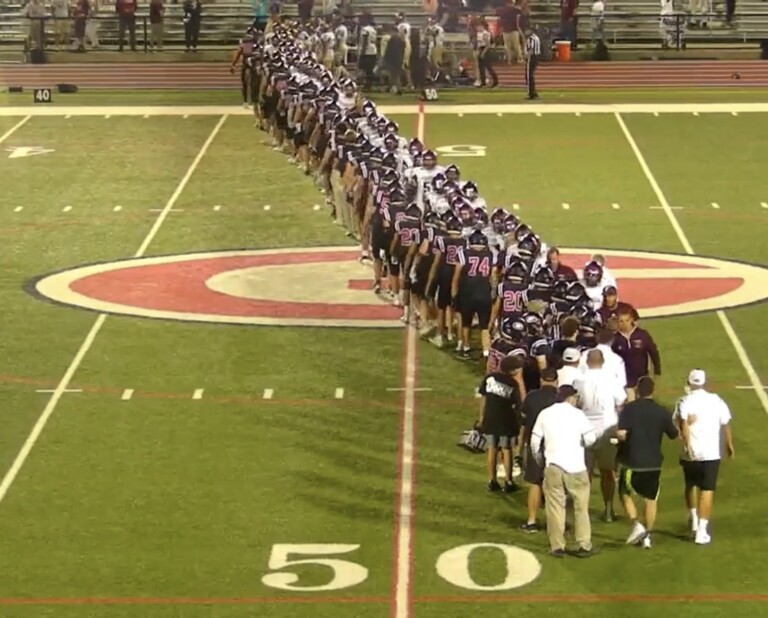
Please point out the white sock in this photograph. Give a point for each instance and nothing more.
(703, 525)
(694, 518)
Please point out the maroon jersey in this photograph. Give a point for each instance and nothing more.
(392, 213)
(450, 247)
(514, 297)
(408, 231)
(478, 262)
(500, 349)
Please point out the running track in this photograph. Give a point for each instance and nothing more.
(550, 75)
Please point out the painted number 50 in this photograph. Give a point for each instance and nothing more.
(345, 574)
(453, 566)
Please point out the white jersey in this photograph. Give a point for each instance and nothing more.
(436, 36)
(478, 202)
(404, 28)
(437, 202)
(328, 40)
(423, 178)
(595, 294)
(368, 48)
(347, 103)
(342, 35)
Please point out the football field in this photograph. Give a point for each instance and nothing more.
(207, 413)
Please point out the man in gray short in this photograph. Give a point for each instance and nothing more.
(500, 418)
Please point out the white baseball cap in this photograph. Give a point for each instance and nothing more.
(571, 355)
(697, 377)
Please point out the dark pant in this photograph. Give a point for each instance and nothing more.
(484, 64)
(530, 75)
(367, 65)
(127, 23)
(730, 9)
(191, 32)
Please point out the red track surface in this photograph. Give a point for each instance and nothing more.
(550, 75)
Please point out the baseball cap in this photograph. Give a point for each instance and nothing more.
(609, 290)
(571, 355)
(697, 377)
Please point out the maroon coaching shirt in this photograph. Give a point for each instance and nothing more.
(636, 349)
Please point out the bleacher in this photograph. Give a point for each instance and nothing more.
(627, 24)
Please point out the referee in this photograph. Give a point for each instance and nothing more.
(532, 55)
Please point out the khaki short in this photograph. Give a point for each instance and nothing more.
(602, 454)
(436, 56)
(61, 27)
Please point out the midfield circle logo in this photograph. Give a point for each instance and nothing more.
(326, 286)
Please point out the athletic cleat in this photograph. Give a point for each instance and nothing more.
(529, 528)
(437, 340)
(494, 486)
(637, 534)
(647, 541)
(510, 487)
(702, 538)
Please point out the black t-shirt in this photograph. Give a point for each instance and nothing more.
(535, 402)
(502, 405)
(646, 422)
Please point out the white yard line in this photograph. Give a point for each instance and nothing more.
(339, 394)
(406, 465)
(127, 394)
(754, 379)
(198, 394)
(15, 127)
(63, 385)
(268, 392)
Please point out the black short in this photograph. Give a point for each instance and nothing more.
(533, 473)
(281, 120)
(419, 286)
(644, 483)
(445, 281)
(475, 303)
(299, 139)
(381, 239)
(701, 474)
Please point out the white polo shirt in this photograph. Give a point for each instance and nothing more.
(613, 364)
(565, 432)
(567, 374)
(711, 414)
(599, 398)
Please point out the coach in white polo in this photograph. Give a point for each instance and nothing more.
(704, 418)
(558, 438)
(601, 398)
(613, 364)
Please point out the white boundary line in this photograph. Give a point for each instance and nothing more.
(754, 379)
(407, 463)
(63, 384)
(538, 110)
(15, 127)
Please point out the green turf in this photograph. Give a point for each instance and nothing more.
(163, 496)
(461, 96)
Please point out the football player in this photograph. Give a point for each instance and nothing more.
(473, 281)
(406, 240)
(593, 284)
(512, 293)
(441, 276)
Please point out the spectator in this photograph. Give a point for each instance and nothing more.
(568, 20)
(60, 14)
(35, 12)
(509, 22)
(347, 11)
(156, 16)
(82, 11)
(92, 25)
(393, 57)
(483, 54)
(260, 8)
(730, 9)
(126, 11)
(192, 15)
(306, 8)
(598, 21)
(367, 48)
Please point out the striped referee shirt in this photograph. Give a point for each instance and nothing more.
(533, 45)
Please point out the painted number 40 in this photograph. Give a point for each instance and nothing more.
(522, 567)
